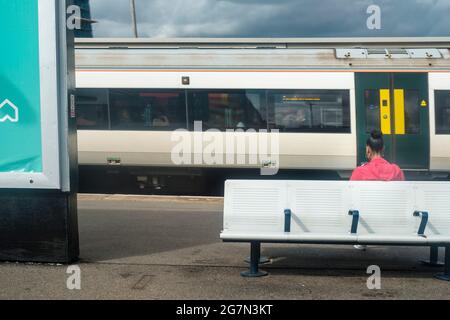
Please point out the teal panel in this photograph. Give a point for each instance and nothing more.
(20, 130)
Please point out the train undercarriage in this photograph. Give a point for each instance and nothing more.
(201, 181)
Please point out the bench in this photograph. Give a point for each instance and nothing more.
(337, 212)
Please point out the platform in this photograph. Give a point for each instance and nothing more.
(138, 247)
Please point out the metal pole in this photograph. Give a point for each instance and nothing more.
(434, 258)
(434, 255)
(447, 261)
(133, 18)
(255, 256)
(446, 275)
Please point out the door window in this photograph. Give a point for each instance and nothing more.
(406, 111)
(372, 105)
(412, 112)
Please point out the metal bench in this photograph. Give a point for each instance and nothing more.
(337, 212)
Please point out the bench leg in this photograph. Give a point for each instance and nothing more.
(434, 258)
(446, 275)
(255, 256)
(262, 260)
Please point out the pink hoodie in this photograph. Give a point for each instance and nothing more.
(378, 170)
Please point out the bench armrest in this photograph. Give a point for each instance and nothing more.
(287, 220)
(423, 224)
(355, 221)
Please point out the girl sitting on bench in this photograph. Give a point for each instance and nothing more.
(377, 169)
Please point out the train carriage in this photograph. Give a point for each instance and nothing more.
(323, 102)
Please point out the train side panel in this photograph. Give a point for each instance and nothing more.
(440, 143)
(329, 151)
(156, 149)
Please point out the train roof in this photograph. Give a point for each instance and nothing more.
(304, 54)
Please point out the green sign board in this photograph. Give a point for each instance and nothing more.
(20, 112)
(33, 93)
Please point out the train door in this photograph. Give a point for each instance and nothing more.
(396, 104)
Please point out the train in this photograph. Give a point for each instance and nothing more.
(156, 117)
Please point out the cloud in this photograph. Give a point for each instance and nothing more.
(270, 18)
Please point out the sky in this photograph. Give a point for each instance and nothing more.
(270, 18)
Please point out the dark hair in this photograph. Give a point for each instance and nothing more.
(376, 141)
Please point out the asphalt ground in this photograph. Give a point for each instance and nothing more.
(140, 247)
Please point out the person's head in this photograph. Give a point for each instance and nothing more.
(125, 114)
(374, 145)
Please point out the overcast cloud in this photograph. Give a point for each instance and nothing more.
(270, 18)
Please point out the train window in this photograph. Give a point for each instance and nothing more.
(153, 110)
(442, 112)
(92, 109)
(412, 112)
(310, 110)
(372, 105)
(228, 109)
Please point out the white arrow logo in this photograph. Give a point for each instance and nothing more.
(7, 107)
